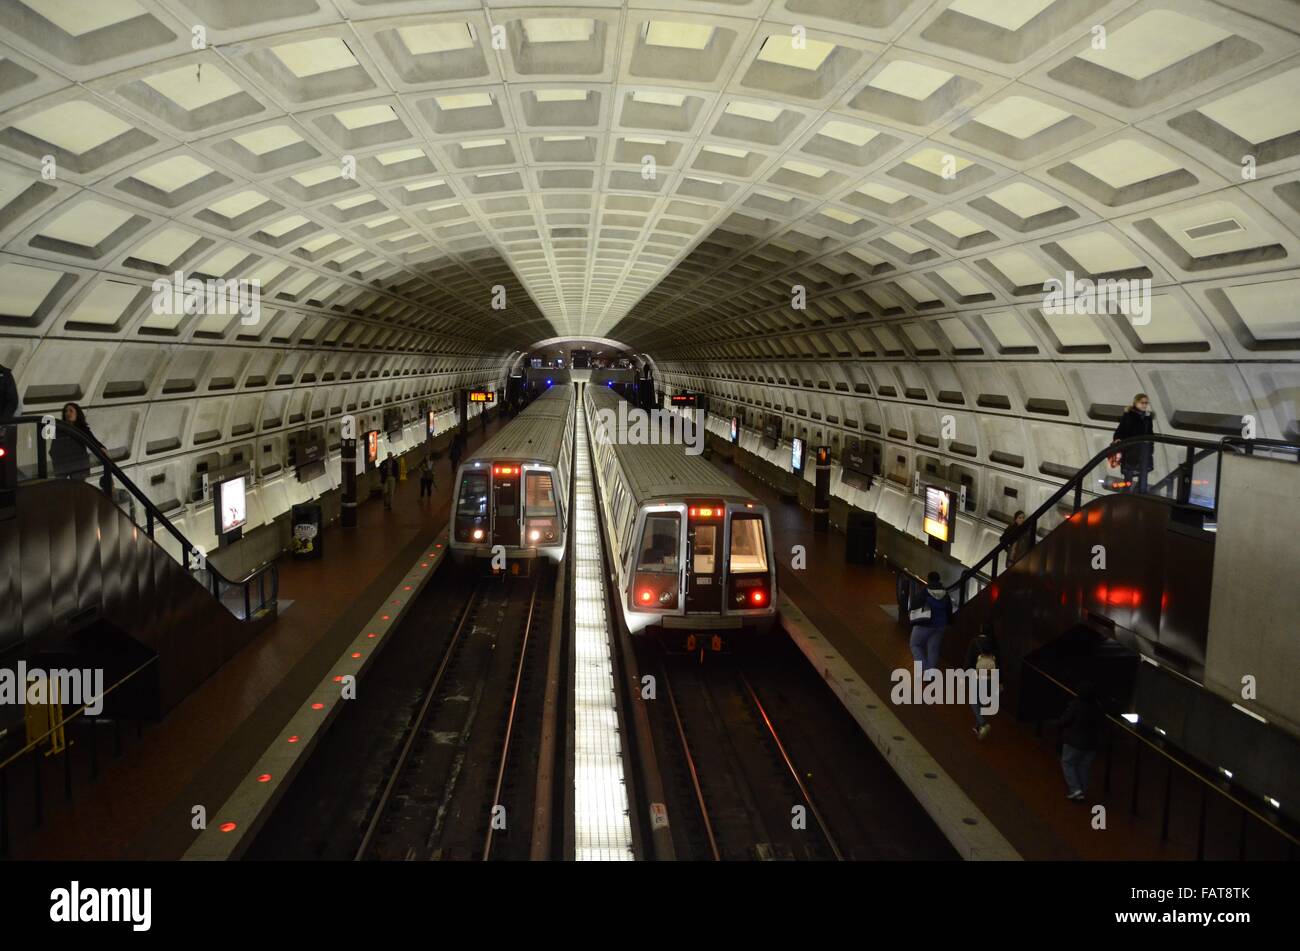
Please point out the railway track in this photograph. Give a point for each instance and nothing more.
(436, 758)
(759, 760)
(450, 793)
(750, 799)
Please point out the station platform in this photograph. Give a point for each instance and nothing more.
(140, 807)
(1014, 775)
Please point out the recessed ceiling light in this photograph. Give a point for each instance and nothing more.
(558, 30)
(232, 206)
(659, 98)
(781, 51)
(482, 143)
(192, 88)
(754, 110)
(855, 135)
(1210, 229)
(561, 95)
(76, 126)
(805, 168)
(686, 36)
(173, 173)
(464, 100)
(365, 117)
(314, 57)
(913, 80)
(841, 216)
(726, 150)
(436, 38)
(937, 162)
(399, 155)
(262, 141)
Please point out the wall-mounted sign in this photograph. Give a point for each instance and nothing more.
(482, 396)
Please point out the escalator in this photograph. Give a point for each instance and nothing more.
(85, 582)
(1119, 593)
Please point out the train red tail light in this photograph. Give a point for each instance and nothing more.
(758, 597)
(647, 596)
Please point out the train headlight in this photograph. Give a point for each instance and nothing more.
(478, 534)
(666, 597)
(534, 535)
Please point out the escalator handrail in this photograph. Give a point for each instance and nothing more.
(149, 506)
(1228, 443)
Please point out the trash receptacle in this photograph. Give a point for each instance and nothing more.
(306, 519)
(860, 547)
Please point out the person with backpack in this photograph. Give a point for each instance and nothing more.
(931, 610)
(1136, 421)
(1080, 737)
(982, 657)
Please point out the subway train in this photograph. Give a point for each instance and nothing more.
(513, 490)
(694, 552)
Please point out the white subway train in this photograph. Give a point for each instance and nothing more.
(693, 549)
(510, 496)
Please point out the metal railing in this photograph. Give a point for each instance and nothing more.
(1211, 787)
(30, 439)
(1180, 484)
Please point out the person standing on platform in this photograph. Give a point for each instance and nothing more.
(388, 477)
(931, 611)
(454, 452)
(982, 657)
(1080, 736)
(426, 478)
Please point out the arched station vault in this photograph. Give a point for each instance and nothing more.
(660, 173)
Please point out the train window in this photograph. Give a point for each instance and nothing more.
(539, 494)
(748, 553)
(659, 542)
(704, 549)
(473, 495)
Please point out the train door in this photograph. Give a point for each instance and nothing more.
(704, 523)
(505, 505)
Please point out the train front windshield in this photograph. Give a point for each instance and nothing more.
(659, 544)
(473, 496)
(748, 551)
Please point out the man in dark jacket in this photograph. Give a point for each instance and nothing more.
(1019, 536)
(927, 634)
(1136, 421)
(1080, 737)
(9, 402)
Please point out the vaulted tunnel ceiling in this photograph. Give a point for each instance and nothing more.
(662, 173)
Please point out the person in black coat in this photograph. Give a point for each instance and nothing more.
(9, 402)
(69, 454)
(1019, 536)
(1136, 421)
(1080, 737)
